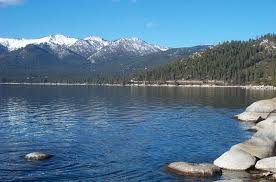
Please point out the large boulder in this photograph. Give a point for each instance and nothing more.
(37, 156)
(235, 159)
(267, 128)
(258, 111)
(260, 147)
(267, 132)
(191, 169)
(267, 164)
(269, 123)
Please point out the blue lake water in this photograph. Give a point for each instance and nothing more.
(99, 133)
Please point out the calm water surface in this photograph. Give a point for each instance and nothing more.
(116, 133)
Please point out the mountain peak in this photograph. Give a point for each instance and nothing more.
(85, 46)
(59, 39)
(96, 38)
(14, 44)
(131, 39)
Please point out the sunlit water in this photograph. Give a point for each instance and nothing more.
(116, 133)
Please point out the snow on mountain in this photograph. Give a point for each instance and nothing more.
(60, 51)
(135, 45)
(93, 48)
(127, 47)
(97, 40)
(61, 40)
(88, 46)
(14, 44)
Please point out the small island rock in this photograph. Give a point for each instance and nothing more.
(191, 169)
(235, 159)
(37, 156)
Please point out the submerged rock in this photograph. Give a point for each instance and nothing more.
(235, 159)
(191, 169)
(267, 164)
(260, 147)
(258, 111)
(37, 156)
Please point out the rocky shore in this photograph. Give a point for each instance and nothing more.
(257, 154)
(247, 87)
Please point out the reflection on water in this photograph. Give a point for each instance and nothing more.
(116, 133)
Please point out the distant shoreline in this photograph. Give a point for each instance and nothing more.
(248, 87)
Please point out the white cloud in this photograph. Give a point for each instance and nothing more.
(10, 2)
(151, 24)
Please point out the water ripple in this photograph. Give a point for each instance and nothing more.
(115, 133)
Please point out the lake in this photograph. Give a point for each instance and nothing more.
(100, 133)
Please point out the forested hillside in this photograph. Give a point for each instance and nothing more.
(235, 62)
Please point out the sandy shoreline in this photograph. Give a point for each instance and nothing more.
(249, 87)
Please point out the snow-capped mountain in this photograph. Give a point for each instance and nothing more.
(128, 47)
(88, 46)
(14, 44)
(58, 57)
(92, 48)
(97, 41)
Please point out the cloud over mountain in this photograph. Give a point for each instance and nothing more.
(10, 2)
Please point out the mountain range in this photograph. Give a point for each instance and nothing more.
(62, 55)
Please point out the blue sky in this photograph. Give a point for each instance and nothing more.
(174, 23)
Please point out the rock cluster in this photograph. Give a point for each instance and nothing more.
(258, 152)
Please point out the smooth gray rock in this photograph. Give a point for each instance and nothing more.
(235, 159)
(37, 156)
(260, 147)
(258, 110)
(270, 122)
(266, 133)
(251, 116)
(191, 169)
(267, 164)
(267, 128)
